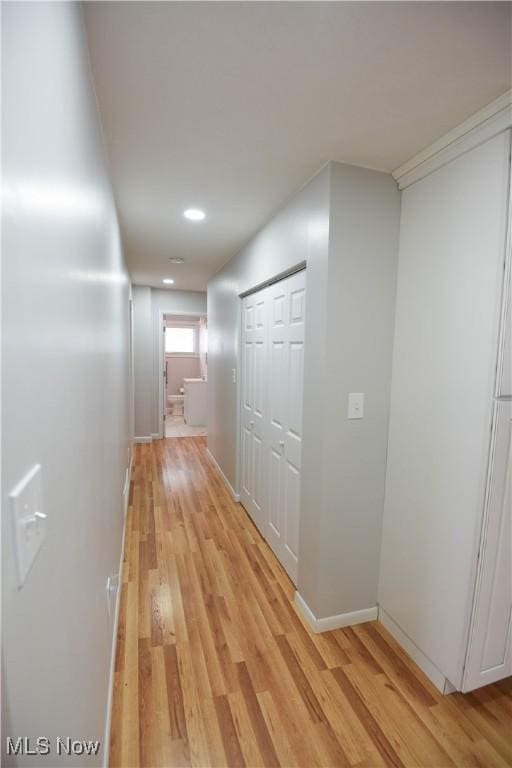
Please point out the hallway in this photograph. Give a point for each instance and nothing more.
(215, 667)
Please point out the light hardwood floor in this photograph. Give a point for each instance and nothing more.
(216, 668)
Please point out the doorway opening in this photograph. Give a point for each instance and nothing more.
(185, 375)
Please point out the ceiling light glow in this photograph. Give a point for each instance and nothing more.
(194, 214)
(168, 281)
(176, 260)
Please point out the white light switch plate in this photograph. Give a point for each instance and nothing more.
(355, 405)
(28, 519)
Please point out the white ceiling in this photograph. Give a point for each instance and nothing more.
(231, 106)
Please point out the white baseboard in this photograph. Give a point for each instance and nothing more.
(148, 438)
(448, 687)
(126, 489)
(236, 496)
(423, 662)
(108, 719)
(333, 622)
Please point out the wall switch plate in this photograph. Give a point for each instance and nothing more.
(234, 375)
(28, 519)
(355, 405)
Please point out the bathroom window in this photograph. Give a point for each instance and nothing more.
(181, 340)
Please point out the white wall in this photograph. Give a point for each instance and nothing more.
(452, 242)
(363, 255)
(148, 304)
(344, 224)
(65, 396)
(298, 233)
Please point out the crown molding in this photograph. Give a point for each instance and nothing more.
(484, 124)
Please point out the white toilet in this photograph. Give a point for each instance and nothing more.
(175, 403)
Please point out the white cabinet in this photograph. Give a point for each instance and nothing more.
(489, 655)
(195, 405)
(271, 413)
(438, 488)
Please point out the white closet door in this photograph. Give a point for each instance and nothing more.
(285, 376)
(253, 396)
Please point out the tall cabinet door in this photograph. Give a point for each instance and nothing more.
(450, 273)
(254, 409)
(490, 644)
(489, 656)
(287, 304)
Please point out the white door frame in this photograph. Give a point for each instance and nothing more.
(161, 357)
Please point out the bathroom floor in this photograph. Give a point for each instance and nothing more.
(175, 427)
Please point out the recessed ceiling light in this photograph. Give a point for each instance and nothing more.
(168, 281)
(194, 214)
(176, 260)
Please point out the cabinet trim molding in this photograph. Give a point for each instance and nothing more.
(483, 125)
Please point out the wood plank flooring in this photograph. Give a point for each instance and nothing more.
(215, 667)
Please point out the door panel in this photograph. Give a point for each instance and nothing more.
(292, 511)
(271, 395)
(285, 429)
(246, 462)
(274, 500)
(297, 306)
(248, 376)
(253, 398)
(257, 473)
(295, 388)
(249, 312)
(277, 382)
(278, 302)
(277, 422)
(490, 651)
(259, 378)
